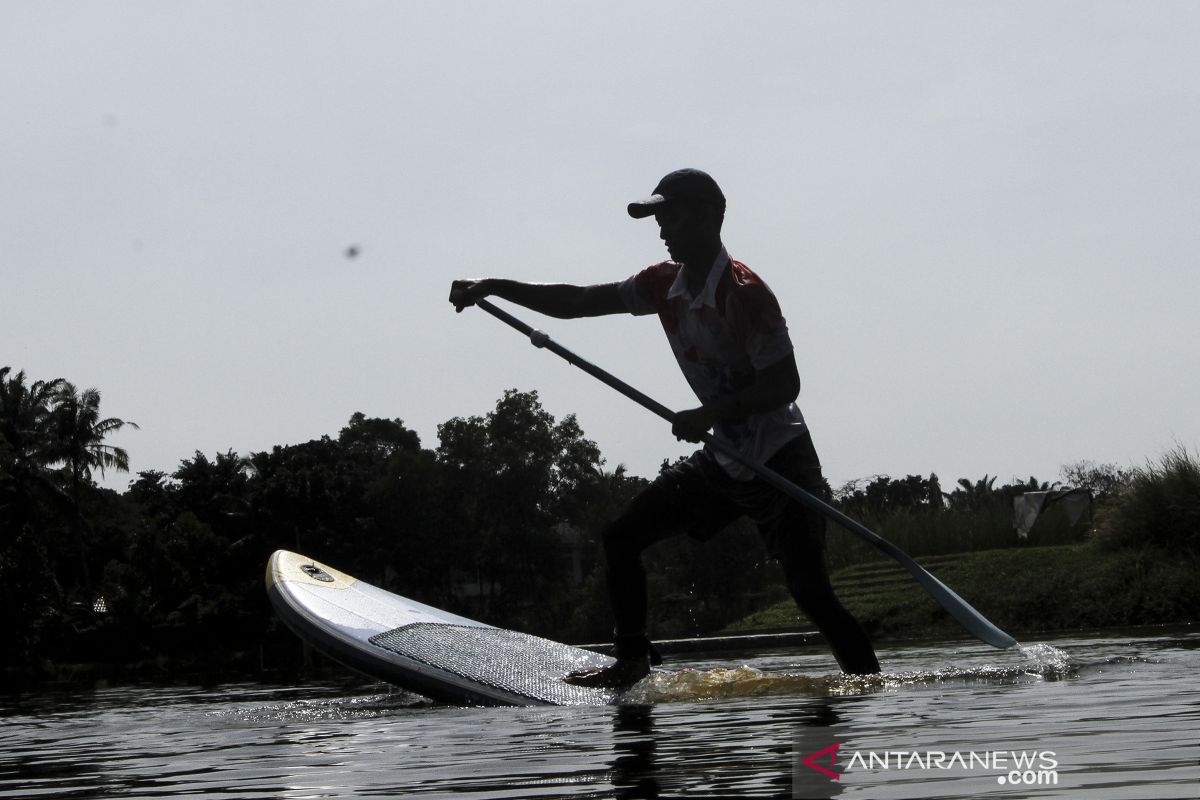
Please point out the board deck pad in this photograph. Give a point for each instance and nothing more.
(526, 665)
(424, 649)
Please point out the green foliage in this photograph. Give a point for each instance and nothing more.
(520, 481)
(1102, 480)
(924, 531)
(884, 493)
(28, 593)
(27, 430)
(51, 437)
(501, 521)
(1160, 507)
(916, 516)
(78, 433)
(1133, 572)
(1062, 587)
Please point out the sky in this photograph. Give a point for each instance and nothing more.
(979, 218)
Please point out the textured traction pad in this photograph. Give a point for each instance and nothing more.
(525, 665)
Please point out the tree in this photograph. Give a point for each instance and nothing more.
(27, 581)
(883, 494)
(361, 500)
(972, 495)
(28, 434)
(214, 490)
(1103, 480)
(43, 425)
(380, 438)
(78, 435)
(515, 475)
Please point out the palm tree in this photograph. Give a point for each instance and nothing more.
(25, 415)
(80, 434)
(972, 495)
(26, 426)
(78, 444)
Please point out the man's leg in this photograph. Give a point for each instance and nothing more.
(808, 581)
(796, 535)
(678, 501)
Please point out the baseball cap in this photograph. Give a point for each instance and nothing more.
(682, 184)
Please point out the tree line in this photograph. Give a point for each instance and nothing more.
(500, 521)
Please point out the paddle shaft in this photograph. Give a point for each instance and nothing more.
(968, 617)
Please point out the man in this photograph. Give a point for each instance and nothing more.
(729, 337)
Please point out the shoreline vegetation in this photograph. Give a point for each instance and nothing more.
(1038, 590)
(500, 522)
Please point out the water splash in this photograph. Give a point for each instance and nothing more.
(1048, 661)
(722, 683)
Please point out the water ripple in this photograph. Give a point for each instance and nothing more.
(1120, 714)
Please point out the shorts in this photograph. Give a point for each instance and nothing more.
(697, 497)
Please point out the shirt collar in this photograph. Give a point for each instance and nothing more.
(708, 295)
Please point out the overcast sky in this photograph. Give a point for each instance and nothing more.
(980, 218)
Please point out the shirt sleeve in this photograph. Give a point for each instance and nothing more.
(646, 292)
(758, 321)
(635, 303)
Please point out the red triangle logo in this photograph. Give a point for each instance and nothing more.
(831, 751)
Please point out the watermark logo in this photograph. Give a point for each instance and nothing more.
(1009, 767)
(813, 761)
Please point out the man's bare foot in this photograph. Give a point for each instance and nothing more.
(622, 674)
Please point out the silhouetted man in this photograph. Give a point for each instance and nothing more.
(730, 339)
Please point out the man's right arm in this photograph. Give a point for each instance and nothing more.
(560, 300)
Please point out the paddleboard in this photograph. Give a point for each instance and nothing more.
(443, 656)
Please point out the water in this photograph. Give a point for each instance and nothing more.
(1101, 717)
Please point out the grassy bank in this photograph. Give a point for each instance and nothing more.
(1024, 590)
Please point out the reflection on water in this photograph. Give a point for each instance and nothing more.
(1117, 716)
(634, 768)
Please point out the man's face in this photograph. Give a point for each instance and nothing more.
(687, 230)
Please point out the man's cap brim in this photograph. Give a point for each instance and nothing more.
(646, 206)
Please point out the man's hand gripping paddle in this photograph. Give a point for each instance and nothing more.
(977, 624)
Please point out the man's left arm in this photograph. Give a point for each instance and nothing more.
(774, 386)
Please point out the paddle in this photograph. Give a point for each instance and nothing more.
(977, 624)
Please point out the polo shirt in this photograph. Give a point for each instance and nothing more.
(720, 337)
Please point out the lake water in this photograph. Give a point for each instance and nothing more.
(1104, 717)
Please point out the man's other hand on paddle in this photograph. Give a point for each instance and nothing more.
(691, 425)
